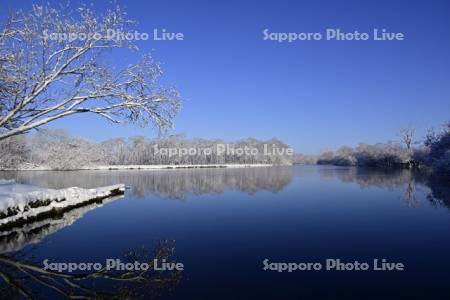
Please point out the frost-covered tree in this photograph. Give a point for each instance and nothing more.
(387, 155)
(406, 136)
(438, 144)
(56, 149)
(53, 65)
(13, 152)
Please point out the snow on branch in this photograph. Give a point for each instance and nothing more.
(43, 78)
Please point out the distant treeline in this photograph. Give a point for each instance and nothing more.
(56, 149)
(432, 153)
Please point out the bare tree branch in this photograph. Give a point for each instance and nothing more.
(45, 77)
(20, 276)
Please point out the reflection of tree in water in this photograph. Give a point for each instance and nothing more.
(365, 177)
(439, 194)
(167, 183)
(20, 278)
(436, 188)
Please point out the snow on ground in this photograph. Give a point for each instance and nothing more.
(15, 239)
(145, 167)
(20, 201)
(159, 167)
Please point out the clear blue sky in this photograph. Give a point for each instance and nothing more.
(312, 94)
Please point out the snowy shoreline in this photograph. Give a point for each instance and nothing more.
(17, 237)
(141, 167)
(20, 204)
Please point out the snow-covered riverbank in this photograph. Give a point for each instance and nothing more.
(143, 167)
(21, 203)
(16, 238)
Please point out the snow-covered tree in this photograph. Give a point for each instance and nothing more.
(58, 150)
(52, 66)
(13, 152)
(406, 136)
(438, 144)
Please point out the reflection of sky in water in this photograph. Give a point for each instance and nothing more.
(230, 220)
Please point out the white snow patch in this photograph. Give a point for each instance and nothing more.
(20, 201)
(15, 239)
(146, 167)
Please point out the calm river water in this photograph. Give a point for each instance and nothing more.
(224, 223)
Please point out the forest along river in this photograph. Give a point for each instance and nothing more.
(224, 223)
